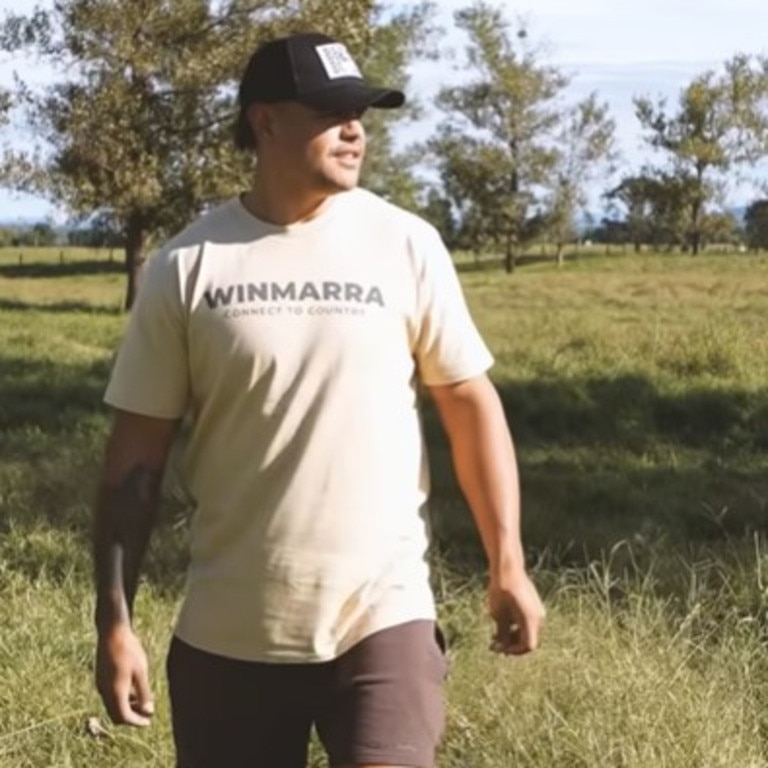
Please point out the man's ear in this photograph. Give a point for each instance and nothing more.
(262, 121)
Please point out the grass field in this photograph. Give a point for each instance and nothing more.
(637, 393)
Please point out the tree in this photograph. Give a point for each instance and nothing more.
(100, 231)
(43, 234)
(6, 237)
(491, 149)
(395, 42)
(5, 106)
(636, 195)
(657, 205)
(141, 128)
(756, 225)
(720, 228)
(437, 210)
(40, 234)
(718, 125)
(673, 196)
(500, 150)
(586, 145)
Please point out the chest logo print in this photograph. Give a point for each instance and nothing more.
(352, 296)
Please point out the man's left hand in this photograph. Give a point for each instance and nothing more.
(518, 612)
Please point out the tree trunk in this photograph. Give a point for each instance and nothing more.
(695, 242)
(696, 211)
(559, 255)
(510, 260)
(695, 234)
(135, 256)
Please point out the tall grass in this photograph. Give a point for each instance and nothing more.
(635, 388)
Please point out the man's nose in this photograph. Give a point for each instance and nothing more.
(351, 125)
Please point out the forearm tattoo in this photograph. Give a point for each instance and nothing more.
(125, 516)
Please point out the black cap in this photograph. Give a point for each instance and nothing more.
(314, 70)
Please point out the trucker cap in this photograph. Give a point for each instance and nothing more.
(314, 70)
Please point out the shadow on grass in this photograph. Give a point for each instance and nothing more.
(49, 270)
(49, 397)
(630, 412)
(605, 461)
(53, 426)
(602, 461)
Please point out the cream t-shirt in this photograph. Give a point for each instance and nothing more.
(298, 351)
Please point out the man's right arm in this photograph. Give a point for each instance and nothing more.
(126, 508)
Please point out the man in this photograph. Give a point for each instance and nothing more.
(296, 324)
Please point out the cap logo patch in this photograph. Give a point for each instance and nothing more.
(337, 61)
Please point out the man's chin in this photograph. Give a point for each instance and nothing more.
(341, 182)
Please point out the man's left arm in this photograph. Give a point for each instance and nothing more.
(486, 467)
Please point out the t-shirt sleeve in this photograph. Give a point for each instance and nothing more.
(448, 346)
(151, 372)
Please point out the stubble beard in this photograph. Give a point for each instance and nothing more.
(338, 181)
(344, 177)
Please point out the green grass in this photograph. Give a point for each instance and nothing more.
(636, 389)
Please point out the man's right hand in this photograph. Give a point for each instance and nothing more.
(122, 677)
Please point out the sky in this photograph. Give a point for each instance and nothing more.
(617, 48)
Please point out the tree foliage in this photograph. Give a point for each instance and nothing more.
(656, 208)
(395, 42)
(140, 125)
(586, 145)
(436, 208)
(719, 125)
(513, 159)
(636, 194)
(5, 106)
(756, 225)
(5, 109)
(40, 234)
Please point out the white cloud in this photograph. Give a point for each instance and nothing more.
(619, 32)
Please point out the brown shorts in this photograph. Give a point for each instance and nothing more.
(380, 703)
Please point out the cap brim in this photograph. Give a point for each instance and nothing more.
(353, 97)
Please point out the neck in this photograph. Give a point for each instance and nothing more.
(269, 202)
